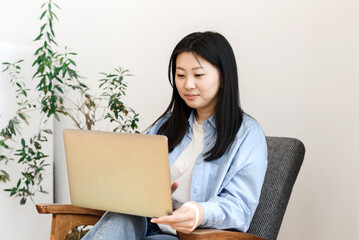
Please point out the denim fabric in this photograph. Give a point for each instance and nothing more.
(118, 226)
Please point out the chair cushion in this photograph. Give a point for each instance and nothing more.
(285, 157)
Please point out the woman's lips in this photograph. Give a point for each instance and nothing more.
(191, 97)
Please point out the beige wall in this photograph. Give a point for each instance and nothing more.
(299, 77)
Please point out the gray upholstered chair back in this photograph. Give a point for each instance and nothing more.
(285, 157)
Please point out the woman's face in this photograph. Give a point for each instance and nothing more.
(197, 82)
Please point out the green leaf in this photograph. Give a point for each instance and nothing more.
(59, 79)
(43, 191)
(42, 27)
(72, 73)
(56, 5)
(37, 145)
(39, 37)
(55, 16)
(11, 124)
(7, 68)
(53, 41)
(23, 201)
(72, 62)
(5, 146)
(22, 116)
(5, 176)
(18, 183)
(23, 142)
(58, 88)
(25, 94)
(48, 131)
(49, 36)
(53, 34)
(43, 14)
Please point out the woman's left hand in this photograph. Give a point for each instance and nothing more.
(183, 219)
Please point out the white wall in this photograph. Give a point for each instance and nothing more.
(16, 221)
(299, 77)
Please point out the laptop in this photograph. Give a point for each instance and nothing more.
(119, 172)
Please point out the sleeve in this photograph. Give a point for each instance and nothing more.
(234, 206)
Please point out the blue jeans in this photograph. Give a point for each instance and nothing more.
(118, 226)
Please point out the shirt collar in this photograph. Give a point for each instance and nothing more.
(206, 124)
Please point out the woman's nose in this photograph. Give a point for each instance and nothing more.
(190, 83)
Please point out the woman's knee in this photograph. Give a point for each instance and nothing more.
(118, 226)
(125, 219)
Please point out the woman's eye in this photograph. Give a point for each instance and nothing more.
(180, 75)
(198, 75)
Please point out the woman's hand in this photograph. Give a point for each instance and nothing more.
(174, 187)
(183, 219)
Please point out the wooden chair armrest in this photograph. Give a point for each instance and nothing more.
(55, 208)
(71, 221)
(212, 234)
(66, 216)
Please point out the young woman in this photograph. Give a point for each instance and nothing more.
(218, 154)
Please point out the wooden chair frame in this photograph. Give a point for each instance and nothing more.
(65, 217)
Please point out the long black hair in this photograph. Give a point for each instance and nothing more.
(214, 48)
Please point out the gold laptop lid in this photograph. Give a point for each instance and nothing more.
(119, 172)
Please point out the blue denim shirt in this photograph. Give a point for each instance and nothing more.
(227, 188)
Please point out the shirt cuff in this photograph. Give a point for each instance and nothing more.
(213, 215)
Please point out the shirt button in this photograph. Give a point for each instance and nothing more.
(195, 190)
(207, 125)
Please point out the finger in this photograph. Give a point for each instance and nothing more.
(182, 229)
(160, 219)
(153, 220)
(185, 223)
(170, 219)
(176, 218)
(174, 187)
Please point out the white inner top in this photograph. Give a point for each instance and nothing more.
(181, 170)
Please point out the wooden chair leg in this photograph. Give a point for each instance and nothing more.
(63, 223)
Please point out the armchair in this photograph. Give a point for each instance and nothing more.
(285, 157)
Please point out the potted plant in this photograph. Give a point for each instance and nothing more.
(60, 91)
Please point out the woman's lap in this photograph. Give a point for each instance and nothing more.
(121, 226)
